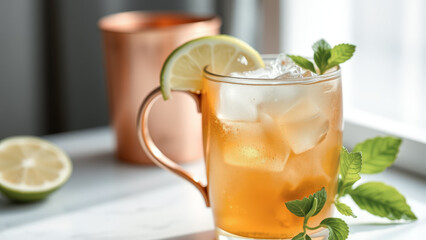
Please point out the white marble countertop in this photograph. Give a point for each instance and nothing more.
(106, 199)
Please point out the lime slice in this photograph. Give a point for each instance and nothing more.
(31, 168)
(183, 69)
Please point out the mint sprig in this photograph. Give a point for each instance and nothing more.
(311, 206)
(371, 156)
(375, 155)
(325, 57)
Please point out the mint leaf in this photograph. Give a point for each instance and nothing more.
(340, 54)
(301, 236)
(378, 153)
(325, 57)
(350, 166)
(340, 184)
(344, 209)
(321, 195)
(321, 54)
(321, 45)
(313, 208)
(301, 208)
(303, 62)
(382, 200)
(338, 229)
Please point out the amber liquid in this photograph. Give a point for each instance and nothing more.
(254, 167)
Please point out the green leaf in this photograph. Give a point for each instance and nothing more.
(340, 187)
(344, 209)
(350, 166)
(313, 208)
(340, 54)
(320, 44)
(378, 153)
(321, 54)
(303, 62)
(321, 195)
(301, 208)
(382, 200)
(338, 229)
(301, 236)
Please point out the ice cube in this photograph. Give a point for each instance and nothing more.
(238, 102)
(302, 109)
(281, 67)
(242, 102)
(304, 125)
(327, 95)
(304, 136)
(254, 145)
(268, 124)
(278, 100)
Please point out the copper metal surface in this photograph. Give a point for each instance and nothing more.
(135, 45)
(150, 147)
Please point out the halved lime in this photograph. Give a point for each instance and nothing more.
(183, 68)
(31, 168)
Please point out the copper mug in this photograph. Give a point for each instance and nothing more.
(135, 45)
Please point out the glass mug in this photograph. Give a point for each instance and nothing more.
(266, 142)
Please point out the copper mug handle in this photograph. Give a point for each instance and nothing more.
(152, 150)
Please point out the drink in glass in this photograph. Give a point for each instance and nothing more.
(269, 141)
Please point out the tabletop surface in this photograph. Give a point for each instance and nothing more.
(108, 199)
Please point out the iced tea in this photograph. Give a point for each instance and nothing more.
(266, 142)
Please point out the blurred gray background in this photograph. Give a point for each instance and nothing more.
(51, 63)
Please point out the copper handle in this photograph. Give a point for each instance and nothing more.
(152, 150)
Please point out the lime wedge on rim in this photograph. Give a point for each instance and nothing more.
(31, 168)
(183, 69)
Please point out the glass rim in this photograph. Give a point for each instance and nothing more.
(271, 81)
